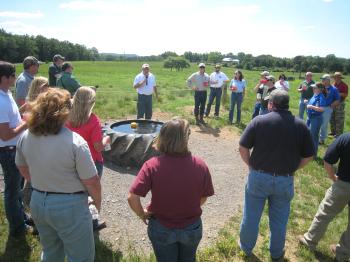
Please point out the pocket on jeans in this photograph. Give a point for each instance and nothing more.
(159, 234)
(289, 191)
(193, 233)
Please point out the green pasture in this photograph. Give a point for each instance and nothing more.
(116, 99)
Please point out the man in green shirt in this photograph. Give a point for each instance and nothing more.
(67, 80)
(306, 91)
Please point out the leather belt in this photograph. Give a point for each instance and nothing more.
(274, 174)
(58, 193)
(7, 148)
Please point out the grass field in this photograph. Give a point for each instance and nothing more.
(116, 99)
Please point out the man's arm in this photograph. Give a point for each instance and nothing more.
(304, 161)
(155, 91)
(330, 171)
(7, 133)
(245, 154)
(138, 84)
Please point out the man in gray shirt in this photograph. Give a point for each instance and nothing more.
(31, 67)
(199, 82)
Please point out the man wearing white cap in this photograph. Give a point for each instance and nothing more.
(332, 100)
(199, 82)
(259, 90)
(145, 84)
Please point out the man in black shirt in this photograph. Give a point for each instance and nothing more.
(335, 200)
(281, 144)
(55, 70)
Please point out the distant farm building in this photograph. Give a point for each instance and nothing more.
(228, 61)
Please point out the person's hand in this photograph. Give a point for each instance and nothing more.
(146, 216)
(335, 178)
(306, 101)
(309, 106)
(194, 88)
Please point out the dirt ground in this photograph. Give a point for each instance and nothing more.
(219, 149)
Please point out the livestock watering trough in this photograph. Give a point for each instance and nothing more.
(131, 142)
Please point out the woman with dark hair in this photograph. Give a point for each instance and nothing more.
(282, 83)
(59, 165)
(180, 184)
(237, 86)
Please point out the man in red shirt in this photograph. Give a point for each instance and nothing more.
(338, 115)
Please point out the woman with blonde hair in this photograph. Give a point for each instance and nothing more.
(180, 184)
(82, 121)
(61, 170)
(39, 85)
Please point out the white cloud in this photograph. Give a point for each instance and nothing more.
(309, 27)
(20, 15)
(327, 1)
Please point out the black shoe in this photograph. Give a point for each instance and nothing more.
(98, 225)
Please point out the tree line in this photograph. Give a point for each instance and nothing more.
(14, 48)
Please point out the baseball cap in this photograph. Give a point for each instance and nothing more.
(308, 74)
(66, 65)
(201, 65)
(217, 66)
(338, 74)
(29, 61)
(145, 66)
(265, 73)
(58, 57)
(326, 77)
(318, 85)
(270, 77)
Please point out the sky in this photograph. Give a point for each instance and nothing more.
(283, 28)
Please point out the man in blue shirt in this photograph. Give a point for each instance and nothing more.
(31, 67)
(332, 100)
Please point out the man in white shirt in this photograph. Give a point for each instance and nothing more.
(145, 84)
(217, 81)
(11, 126)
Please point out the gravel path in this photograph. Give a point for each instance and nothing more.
(219, 149)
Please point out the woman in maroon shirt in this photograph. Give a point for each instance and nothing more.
(180, 183)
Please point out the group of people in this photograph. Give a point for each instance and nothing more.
(51, 138)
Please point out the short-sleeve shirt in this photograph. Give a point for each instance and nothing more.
(282, 85)
(22, 85)
(240, 85)
(332, 95)
(9, 114)
(279, 141)
(92, 133)
(148, 88)
(317, 100)
(219, 77)
(56, 163)
(308, 93)
(340, 150)
(67, 81)
(53, 71)
(342, 88)
(198, 80)
(177, 185)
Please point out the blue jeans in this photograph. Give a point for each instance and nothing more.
(236, 98)
(256, 109)
(144, 106)
(314, 123)
(12, 197)
(175, 245)
(215, 93)
(99, 168)
(302, 108)
(278, 191)
(200, 97)
(326, 116)
(64, 225)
